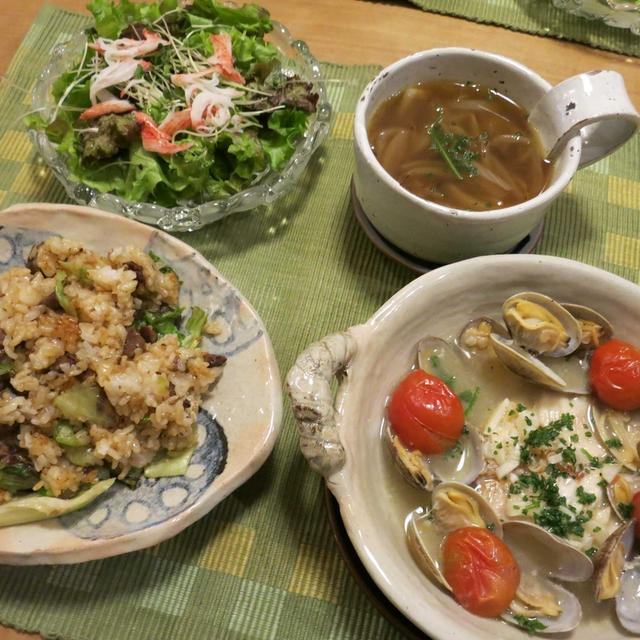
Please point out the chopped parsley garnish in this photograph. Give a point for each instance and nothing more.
(561, 523)
(439, 372)
(469, 398)
(455, 451)
(568, 455)
(544, 436)
(554, 513)
(584, 497)
(613, 443)
(491, 526)
(626, 509)
(520, 408)
(591, 551)
(525, 455)
(530, 625)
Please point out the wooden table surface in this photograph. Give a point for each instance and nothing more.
(366, 32)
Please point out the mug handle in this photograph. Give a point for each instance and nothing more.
(312, 401)
(594, 104)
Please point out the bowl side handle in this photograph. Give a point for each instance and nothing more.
(313, 403)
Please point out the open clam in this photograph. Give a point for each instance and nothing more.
(464, 461)
(610, 560)
(454, 505)
(618, 433)
(543, 331)
(594, 327)
(620, 492)
(475, 336)
(524, 364)
(541, 556)
(541, 325)
(617, 575)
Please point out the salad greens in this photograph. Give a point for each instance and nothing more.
(146, 72)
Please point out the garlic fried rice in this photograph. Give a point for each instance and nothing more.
(97, 376)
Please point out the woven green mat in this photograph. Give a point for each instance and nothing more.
(540, 17)
(263, 564)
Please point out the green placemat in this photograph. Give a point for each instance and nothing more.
(263, 564)
(540, 17)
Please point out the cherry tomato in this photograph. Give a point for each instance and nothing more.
(635, 514)
(615, 374)
(481, 571)
(425, 413)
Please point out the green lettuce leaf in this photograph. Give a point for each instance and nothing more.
(111, 18)
(285, 125)
(250, 18)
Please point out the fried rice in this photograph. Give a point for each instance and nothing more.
(91, 385)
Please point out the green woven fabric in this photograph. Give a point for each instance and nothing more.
(540, 17)
(263, 564)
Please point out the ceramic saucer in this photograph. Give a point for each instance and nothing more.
(526, 245)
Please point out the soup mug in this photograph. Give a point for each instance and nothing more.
(579, 121)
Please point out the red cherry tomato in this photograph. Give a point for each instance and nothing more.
(425, 413)
(481, 571)
(635, 514)
(615, 374)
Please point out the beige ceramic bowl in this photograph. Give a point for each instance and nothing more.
(237, 426)
(341, 435)
(436, 233)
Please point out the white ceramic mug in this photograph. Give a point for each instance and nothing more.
(580, 121)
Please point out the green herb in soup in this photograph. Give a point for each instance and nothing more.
(459, 144)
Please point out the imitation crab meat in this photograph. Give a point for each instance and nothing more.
(104, 108)
(153, 139)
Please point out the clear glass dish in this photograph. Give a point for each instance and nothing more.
(266, 188)
(614, 13)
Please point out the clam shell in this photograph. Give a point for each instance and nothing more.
(610, 424)
(412, 465)
(425, 544)
(610, 559)
(569, 610)
(456, 505)
(594, 327)
(628, 598)
(522, 363)
(475, 335)
(463, 463)
(621, 490)
(535, 549)
(541, 325)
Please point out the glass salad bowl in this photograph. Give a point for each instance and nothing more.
(614, 13)
(295, 58)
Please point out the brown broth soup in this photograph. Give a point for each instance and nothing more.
(462, 145)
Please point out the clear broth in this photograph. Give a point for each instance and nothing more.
(497, 155)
